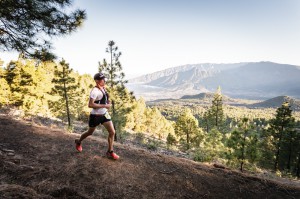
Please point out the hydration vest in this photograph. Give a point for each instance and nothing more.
(104, 99)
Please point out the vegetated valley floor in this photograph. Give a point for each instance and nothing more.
(41, 162)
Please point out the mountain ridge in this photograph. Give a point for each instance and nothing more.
(275, 102)
(169, 71)
(249, 80)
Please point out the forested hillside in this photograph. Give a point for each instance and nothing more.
(237, 132)
(206, 129)
(37, 89)
(30, 85)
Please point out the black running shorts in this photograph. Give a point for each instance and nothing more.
(95, 120)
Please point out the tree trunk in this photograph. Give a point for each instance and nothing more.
(113, 113)
(188, 140)
(207, 126)
(68, 112)
(111, 66)
(278, 151)
(188, 131)
(66, 98)
(290, 156)
(243, 152)
(217, 112)
(298, 166)
(242, 163)
(111, 86)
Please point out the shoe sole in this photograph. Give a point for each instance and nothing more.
(111, 158)
(76, 147)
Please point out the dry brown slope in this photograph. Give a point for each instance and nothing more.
(42, 163)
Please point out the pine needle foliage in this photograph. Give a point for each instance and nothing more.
(27, 26)
(64, 87)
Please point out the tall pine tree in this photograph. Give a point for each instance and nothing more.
(186, 127)
(5, 89)
(243, 144)
(280, 127)
(214, 117)
(21, 76)
(120, 98)
(213, 143)
(64, 87)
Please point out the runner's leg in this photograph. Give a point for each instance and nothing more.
(111, 134)
(89, 132)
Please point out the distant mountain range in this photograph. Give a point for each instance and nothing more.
(277, 102)
(270, 103)
(201, 96)
(249, 80)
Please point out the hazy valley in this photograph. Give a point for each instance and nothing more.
(255, 80)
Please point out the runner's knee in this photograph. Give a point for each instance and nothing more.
(112, 133)
(90, 131)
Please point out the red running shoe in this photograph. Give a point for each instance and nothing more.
(78, 145)
(112, 155)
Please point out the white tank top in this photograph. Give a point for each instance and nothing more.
(96, 94)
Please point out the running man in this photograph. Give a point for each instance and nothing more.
(99, 102)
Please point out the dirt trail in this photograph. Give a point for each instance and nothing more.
(40, 162)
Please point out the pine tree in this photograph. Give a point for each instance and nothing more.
(115, 80)
(13, 78)
(31, 86)
(280, 127)
(213, 142)
(136, 119)
(113, 69)
(288, 147)
(253, 148)
(86, 83)
(186, 126)
(171, 139)
(28, 26)
(156, 124)
(43, 80)
(244, 143)
(21, 76)
(64, 86)
(5, 90)
(214, 117)
(296, 149)
(298, 159)
(207, 120)
(145, 119)
(123, 102)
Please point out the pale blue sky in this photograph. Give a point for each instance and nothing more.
(158, 34)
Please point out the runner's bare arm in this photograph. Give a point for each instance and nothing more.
(92, 104)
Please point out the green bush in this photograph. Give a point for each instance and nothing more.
(140, 137)
(171, 140)
(201, 156)
(152, 145)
